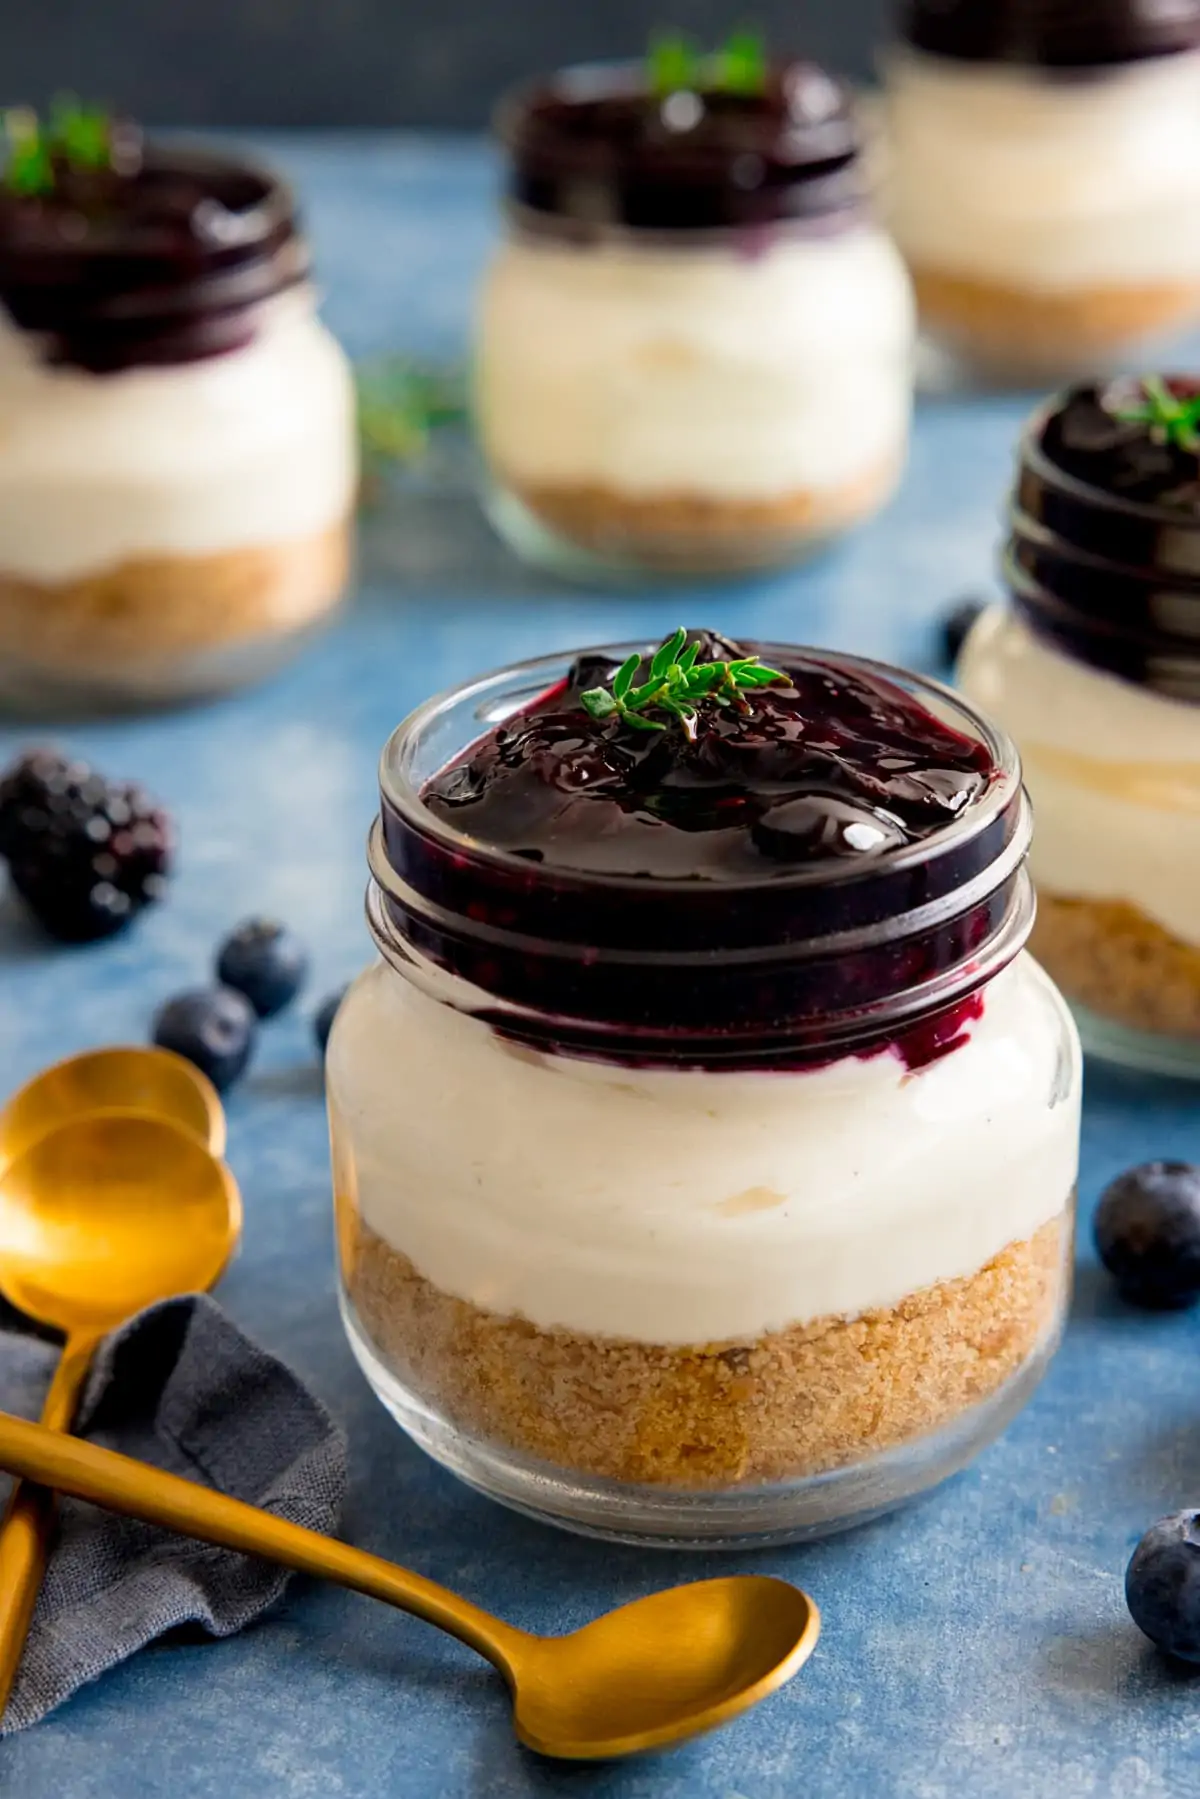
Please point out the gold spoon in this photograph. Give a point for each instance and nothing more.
(646, 1675)
(98, 1218)
(129, 1078)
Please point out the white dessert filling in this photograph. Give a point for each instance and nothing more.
(720, 372)
(1046, 182)
(233, 452)
(1113, 771)
(690, 1207)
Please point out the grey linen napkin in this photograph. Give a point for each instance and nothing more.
(180, 1386)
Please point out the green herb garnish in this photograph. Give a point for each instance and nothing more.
(675, 65)
(28, 168)
(74, 136)
(743, 63)
(400, 403)
(1167, 418)
(678, 684)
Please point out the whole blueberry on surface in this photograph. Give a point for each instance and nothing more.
(1148, 1233)
(214, 1027)
(956, 626)
(324, 1016)
(266, 962)
(1162, 1585)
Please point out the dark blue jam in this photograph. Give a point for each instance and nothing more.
(1053, 34)
(824, 767)
(168, 260)
(729, 900)
(1103, 554)
(595, 147)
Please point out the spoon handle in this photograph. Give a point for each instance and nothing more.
(120, 1484)
(28, 1523)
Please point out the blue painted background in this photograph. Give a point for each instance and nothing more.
(367, 62)
(977, 1644)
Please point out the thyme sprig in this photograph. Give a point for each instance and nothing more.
(1168, 418)
(678, 685)
(676, 65)
(401, 402)
(81, 137)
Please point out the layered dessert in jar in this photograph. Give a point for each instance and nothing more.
(1095, 670)
(693, 344)
(177, 464)
(1044, 176)
(704, 1143)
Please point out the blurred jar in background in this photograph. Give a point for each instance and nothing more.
(1094, 669)
(694, 344)
(177, 466)
(1044, 176)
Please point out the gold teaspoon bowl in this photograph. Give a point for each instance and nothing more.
(642, 1677)
(128, 1078)
(99, 1218)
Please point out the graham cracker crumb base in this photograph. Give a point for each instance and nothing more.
(689, 530)
(793, 1403)
(1018, 328)
(156, 610)
(1119, 964)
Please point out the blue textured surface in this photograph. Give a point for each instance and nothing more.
(977, 1644)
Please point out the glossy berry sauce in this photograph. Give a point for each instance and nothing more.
(1103, 556)
(168, 260)
(758, 897)
(596, 146)
(823, 767)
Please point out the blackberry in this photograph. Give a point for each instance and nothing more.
(85, 854)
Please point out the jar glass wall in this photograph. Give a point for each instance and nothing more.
(177, 480)
(1094, 668)
(692, 355)
(711, 1278)
(1044, 192)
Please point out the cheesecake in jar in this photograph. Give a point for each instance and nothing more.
(1094, 668)
(1043, 178)
(704, 1143)
(177, 440)
(694, 344)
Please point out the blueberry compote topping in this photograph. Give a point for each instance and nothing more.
(826, 867)
(1052, 33)
(1104, 552)
(167, 259)
(597, 146)
(1101, 436)
(825, 766)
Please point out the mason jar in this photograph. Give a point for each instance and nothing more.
(722, 1206)
(693, 344)
(1044, 178)
(177, 467)
(1094, 667)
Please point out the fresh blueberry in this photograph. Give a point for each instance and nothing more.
(214, 1027)
(325, 1014)
(1162, 1585)
(1148, 1233)
(956, 626)
(266, 962)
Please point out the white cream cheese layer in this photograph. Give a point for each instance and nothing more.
(1046, 182)
(1113, 771)
(690, 1207)
(233, 452)
(680, 370)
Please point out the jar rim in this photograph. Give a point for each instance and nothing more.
(763, 158)
(778, 966)
(405, 796)
(1031, 453)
